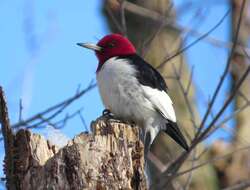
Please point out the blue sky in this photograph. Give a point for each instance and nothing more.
(41, 64)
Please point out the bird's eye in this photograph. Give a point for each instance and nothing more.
(111, 45)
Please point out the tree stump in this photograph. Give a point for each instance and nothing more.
(111, 157)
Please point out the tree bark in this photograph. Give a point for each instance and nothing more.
(8, 143)
(111, 157)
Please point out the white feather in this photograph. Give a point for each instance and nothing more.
(121, 92)
(161, 101)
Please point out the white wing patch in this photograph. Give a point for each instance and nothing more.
(161, 101)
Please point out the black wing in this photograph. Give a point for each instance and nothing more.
(147, 75)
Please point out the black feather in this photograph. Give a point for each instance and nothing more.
(146, 74)
(174, 132)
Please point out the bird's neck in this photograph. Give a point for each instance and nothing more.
(102, 63)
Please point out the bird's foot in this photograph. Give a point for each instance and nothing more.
(107, 113)
(110, 116)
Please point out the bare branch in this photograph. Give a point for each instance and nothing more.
(20, 110)
(231, 116)
(62, 122)
(188, 103)
(123, 18)
(190, 81)
(158, 18)
(59, 107)
(239, 186)
(224, 73)
(189, 180)
(115, 21)
(83, 121)
(196, 41)
(228, 101)
(211, 161)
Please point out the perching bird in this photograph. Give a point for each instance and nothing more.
(133, 90)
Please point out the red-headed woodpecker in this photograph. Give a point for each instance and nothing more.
(133, 90)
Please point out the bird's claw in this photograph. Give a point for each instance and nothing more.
(110, 116)
(107, 112)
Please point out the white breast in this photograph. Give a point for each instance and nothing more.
(121, 92)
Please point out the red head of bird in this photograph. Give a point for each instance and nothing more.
(110, 46)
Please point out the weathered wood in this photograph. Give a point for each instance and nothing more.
(111, 157)
(8, 142)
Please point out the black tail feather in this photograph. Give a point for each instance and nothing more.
(174, 132)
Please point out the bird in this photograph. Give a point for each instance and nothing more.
(133, 90)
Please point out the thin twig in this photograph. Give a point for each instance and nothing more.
(83, 121)
(20, 111)
(190, 174)
(224, 72)
(158, 18)
(149, 40)
(115, 21)
(123, 17)
(60, 106)
(228, 101)
(239, 186)
(190, 80)
(188, 103)
(60, 123)
(211, 161)
(195, 41)
(231, 116)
